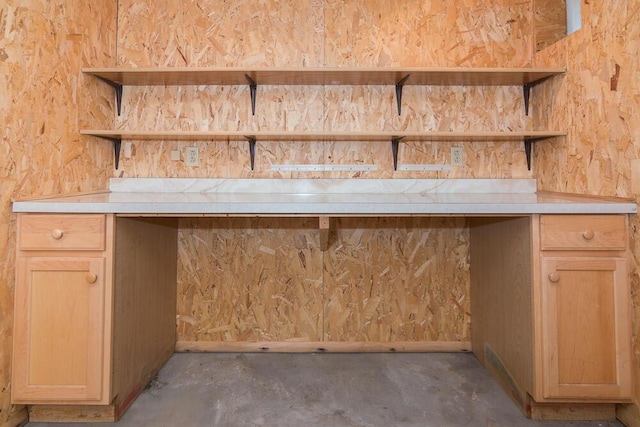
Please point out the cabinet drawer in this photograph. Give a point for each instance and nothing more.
(61, 232)
(580, 232)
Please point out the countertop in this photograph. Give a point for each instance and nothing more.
(198, 196)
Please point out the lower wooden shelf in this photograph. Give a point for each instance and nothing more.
(527, 137)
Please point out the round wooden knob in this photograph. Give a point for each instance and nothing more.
(57, 233)
(91, 278)
(554, 277)
(588, 234)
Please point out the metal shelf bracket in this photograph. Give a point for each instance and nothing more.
(399, 86)
(395, 142)
(528, 145)
(526, 91)
(253, 87)
(252, 150)
(118, 89)
(117, 143)
(528, 148)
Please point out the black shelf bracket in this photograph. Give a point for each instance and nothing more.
(399, 86)
(118, 88)
(253, 87)
(526, 91)
(395, 143)
(528, 147)
(117, 143)
(252, 150)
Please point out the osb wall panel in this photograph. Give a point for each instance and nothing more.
(291, 108)
(331, 33)
(385, 279)
(249, 279)
(473, 33)
(550, 22)
(43, 45)
(397, 279)
(598, 102)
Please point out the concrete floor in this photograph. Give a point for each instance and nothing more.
(428, 389)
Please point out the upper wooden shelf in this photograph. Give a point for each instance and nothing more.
(322, 135)
(324, 76)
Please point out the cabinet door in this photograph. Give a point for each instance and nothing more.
(59, 330)
(586, 328)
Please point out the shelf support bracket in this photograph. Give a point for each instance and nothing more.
(399, 86)
(324, 226)
(528, 145)
(117, 143)
(118, 89)
(252, 150)
(526, 91)
(253, 88)
(395, 142)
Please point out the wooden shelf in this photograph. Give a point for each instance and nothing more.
(324, 76)
(528, 137)
(400, 77)
(320, 136)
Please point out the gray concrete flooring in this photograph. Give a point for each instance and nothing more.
(428, 389)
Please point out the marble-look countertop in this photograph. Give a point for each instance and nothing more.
(173, 196)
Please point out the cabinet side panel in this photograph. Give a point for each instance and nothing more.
(501, 307)
(145, 303)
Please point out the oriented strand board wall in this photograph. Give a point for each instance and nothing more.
(550, 22)
(390, 279)
(220, 301)
(250, 279)
(43, 45)
(381, 280)
(598, 102)
(331, 33)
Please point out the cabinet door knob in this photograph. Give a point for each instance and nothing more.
(588, 234)
(554, 277)
(57, 233)
(91, 278)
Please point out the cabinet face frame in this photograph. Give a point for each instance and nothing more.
(557, 269)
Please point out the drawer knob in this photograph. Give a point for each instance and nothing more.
(588, 234)
(554, 277)
(91, 278)
(57, 233)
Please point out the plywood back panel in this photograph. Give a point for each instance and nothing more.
(381, 280)
(397, 279)
(550, 22)
(329, 33)
(249, 279)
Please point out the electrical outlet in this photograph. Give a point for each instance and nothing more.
(193, 159)
(457, 156)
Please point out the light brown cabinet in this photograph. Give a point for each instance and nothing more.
(62, 311)
(585, 310)
(94, 314)
(551, 308)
